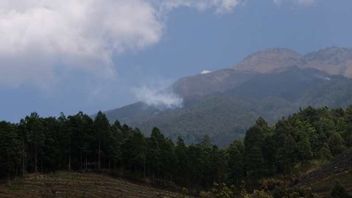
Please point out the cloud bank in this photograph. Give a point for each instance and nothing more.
(43, 40)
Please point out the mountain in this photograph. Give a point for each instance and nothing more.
(198, 86)
(270, 60)
(223, 104)
(335, 61)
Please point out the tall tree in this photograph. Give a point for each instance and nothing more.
(236, 166)
(36, 138)
(102, 134)
(254, 145)
(10, 147)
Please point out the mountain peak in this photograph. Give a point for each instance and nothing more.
(333, 60)
(269, 60)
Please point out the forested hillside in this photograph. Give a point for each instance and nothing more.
(269, 157)
(223, 104)
(224, 116)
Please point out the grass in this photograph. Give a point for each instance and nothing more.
(70, 184)
(323, 179)
(323, 186)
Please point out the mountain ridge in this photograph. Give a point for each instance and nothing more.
(224, 103)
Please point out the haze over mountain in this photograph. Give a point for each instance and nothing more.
(271, 83)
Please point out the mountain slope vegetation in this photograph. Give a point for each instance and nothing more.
(228, 104)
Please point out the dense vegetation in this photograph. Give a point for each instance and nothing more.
(78, 142)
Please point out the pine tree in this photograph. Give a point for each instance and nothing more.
(254, 144)
(235, 155)
(10, 147)
(102, 134)
(336, 143)
(36, 137)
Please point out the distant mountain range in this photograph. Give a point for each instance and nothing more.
(270, 83)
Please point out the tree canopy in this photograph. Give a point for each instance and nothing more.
(80, 142)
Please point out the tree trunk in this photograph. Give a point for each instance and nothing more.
(69, 162)
(86, 162)
(81, 161)
(8, 169)
(99, 165)
(144, 167)
(23, 159)
(36, 159)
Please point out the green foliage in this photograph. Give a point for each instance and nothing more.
(236, 166)
(254, 143)
(339, 191)
(325, 153)
(292, 193)
(260, 194)
(336, 144)
(222, 191)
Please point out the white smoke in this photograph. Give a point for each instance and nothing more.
(160, 99)
(205, 72)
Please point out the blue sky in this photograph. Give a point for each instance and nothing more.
(66, 58)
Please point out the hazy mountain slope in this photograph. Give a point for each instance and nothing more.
(132, 113)
(224, 116)
(269, 60)
(335, 61)
(222, 104)
(215, 82)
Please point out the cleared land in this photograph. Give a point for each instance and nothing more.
(65, 184)
(323, 179)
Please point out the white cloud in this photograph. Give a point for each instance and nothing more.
(297, 2)
(43, 39)
(157, 98)
(39, 36)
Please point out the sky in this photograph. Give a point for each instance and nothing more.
(90, 55)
